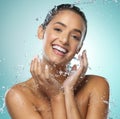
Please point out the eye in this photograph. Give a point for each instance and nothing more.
(58, 29)
(75, 37)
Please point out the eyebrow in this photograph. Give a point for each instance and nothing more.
(60, 24)
(77, 30)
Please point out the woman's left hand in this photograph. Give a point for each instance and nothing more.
(77, 75)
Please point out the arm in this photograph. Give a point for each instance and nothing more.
(58, 107)
(99, 99)
(69, 86)
(71, 107)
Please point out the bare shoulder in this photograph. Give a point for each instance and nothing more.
(13, 98)
(96, 82)
(93, 85)
(18, 99)
(97, 86)
(20, 90)
(15, 94)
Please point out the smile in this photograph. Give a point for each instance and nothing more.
(60, 49)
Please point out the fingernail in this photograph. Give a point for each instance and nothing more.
(36, 57)
(46, 66)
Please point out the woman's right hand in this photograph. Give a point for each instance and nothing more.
(77, 75)
(44, 80)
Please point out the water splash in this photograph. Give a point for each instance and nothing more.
(2, 100)
(82, 2)
(37, 19)
(2, 60)
(3, 106)
(115, 1)
(19, 69)
(105, 101)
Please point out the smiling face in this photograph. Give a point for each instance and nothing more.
(62, 37)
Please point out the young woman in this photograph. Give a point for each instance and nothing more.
(54, 92)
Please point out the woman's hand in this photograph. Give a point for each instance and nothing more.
(77, 75)
(44, 80)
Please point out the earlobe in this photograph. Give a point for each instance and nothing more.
(77, 51)
(79, 48)
(40, 32)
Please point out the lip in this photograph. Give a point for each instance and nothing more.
(57, 51)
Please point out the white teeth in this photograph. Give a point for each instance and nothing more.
(59, 48)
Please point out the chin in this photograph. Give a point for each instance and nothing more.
(57, 62)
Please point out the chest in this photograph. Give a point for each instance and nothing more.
(43, 105)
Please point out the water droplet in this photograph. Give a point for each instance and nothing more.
(55, 7)
(86, 81)
(89, 68)
(3, 106)
(3, 87)
(37, 19)
(72, 5)
(106, 102)
(61, 72)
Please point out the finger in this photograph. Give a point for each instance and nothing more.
(43, 74)
(80, 72)
(32, 68)
(85, 61)
(81, 68)
(39, 72)
(35, 69)
(46, 72)
(35, 66)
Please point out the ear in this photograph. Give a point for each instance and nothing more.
(40, 32)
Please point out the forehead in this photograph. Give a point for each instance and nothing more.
(68, 17)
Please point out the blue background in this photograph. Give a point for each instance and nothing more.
(19, 20)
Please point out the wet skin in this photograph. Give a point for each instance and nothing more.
(39, 104)
(37, 97)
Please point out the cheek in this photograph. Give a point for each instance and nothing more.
(74, 46)
(49, 36)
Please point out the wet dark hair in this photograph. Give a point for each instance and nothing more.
(60, 7)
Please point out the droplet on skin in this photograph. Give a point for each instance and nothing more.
(86, 81)
(61, 72)
(46, 67)
(106, 102)
(56, 75)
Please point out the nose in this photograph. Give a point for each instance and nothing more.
(64, 39)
